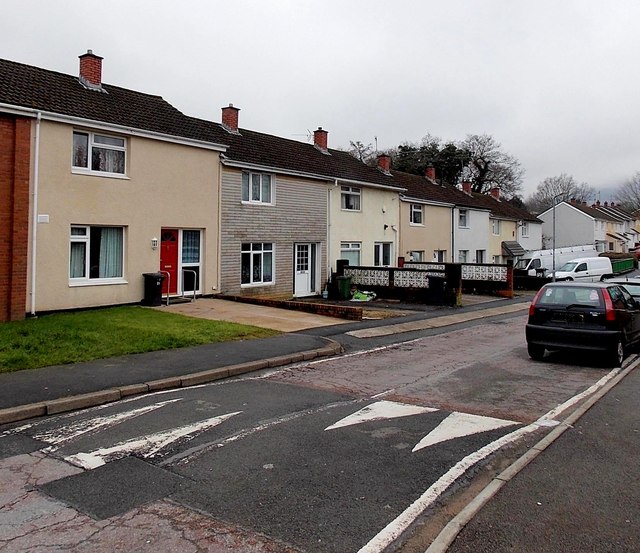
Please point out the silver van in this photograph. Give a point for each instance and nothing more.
(585, 269)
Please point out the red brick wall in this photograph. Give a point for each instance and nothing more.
(15, 144)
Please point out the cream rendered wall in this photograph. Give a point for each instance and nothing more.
(433, 234)
(378, 207)
(507, 234)
(168, 185)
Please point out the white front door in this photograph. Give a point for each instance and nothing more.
(304, 270)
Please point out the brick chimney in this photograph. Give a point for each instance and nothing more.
(430, 173)
(384, 163)
(606, 204)
(230, 118)
(495, 193)
(466, 187)
(321, 139)
(91, 70)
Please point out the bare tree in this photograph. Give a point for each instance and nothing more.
(629, 193)
(489, 166)
(361, 151)
(563, 188)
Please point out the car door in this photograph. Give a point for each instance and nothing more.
(582, 272)
(633, 315)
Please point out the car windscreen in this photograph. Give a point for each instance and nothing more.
(559, 296)
(568, 267)
(522, 264)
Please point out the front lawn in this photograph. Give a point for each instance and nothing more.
(62, 338)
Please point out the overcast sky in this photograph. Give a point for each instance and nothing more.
(556, 82)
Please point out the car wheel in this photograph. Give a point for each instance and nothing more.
(615, 357)
(535, 352)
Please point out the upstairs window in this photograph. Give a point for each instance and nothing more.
(524, 229)
(416, 214)
(350, 198)
(257, 188)
(463, 218)
(98, 152)
(495, 225)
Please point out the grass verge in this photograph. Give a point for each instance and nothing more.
(62, 338)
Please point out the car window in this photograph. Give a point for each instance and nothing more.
(617, 297)
(570, 295)
(581, 267)
(628, 299)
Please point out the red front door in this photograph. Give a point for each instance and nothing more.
(169, 260)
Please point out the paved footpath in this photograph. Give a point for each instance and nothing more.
(582, 494)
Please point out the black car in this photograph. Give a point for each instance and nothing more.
(599, 317)
(630, 284)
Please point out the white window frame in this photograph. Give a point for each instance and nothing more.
(463, 218)
(247, 189)
(481, 256)
(463, 256)
(351, 247)
(93, 142)
(258, 249)
(524, 229)
(416, 215)
(440, 256)
(496, 225)
(350, 195)
(85, 238)
(379, 254)
(417, 255)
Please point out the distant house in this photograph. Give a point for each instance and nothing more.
(606, 226)
(512, 230)
(104, 184)
(426, 214)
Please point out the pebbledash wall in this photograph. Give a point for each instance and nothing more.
(166, 185)
(15, 157)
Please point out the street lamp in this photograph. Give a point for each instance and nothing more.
(553, 239)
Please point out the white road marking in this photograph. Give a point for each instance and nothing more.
(396, 527)
(457, 425)
(69, 432)
(379, 411)
(147, 446)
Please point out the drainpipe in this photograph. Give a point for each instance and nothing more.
(34, 217)
(335, 185)
(453, 217)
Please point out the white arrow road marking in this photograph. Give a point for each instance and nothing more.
(147, 446)
(68, 432)
(379, 411)
(457, 425)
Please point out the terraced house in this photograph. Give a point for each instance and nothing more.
(101, 185)
(290, 210)
(98, 183)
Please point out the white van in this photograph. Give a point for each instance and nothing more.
(541, 262)
(585, 269)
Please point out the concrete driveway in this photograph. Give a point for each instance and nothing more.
(284, 320)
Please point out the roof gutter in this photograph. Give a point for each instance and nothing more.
(404, 198)
(100, 125)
